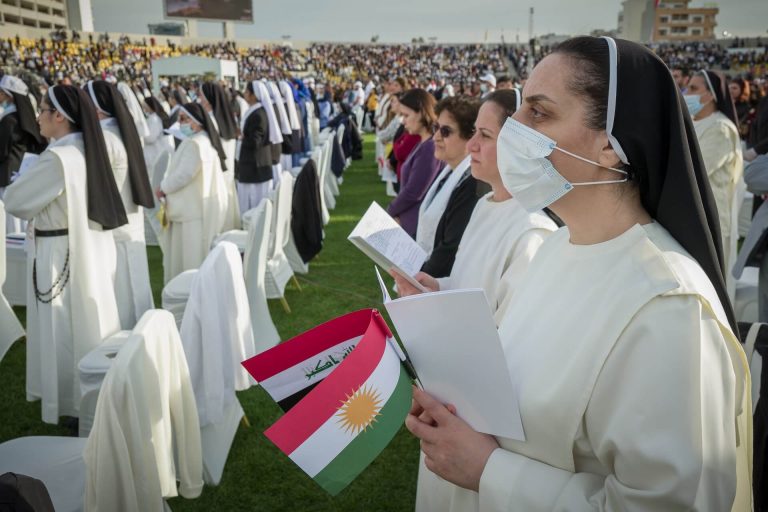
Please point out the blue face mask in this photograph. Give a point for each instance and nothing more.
(187, 130)
(694, 104)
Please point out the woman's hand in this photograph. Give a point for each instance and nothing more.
(405, 288)
(452, 449)
(159, 193)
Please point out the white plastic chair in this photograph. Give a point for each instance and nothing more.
(746, 307)
(176, 294)
(254, 244)
(278, 271)
(217, 336)
(72, 468)
(329, 178)
(265, 334)
(320, 160)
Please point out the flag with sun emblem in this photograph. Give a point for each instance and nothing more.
(346, 419)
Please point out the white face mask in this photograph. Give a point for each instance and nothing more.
(526, 171)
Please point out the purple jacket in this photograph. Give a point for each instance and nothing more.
(417, 174)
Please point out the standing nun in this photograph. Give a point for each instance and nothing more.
(194, 191)
(132, 288)
(19, 134)
(632, 388)
(275, 128)
(716, 125)
(218, 105)
(293, 116)
(70, 195)
(254, 164)
(286, 150)
(157, 142)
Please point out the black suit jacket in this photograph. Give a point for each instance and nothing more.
(306, 214)
(255, 162)
(451, 227)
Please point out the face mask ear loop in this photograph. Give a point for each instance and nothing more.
(625, 173)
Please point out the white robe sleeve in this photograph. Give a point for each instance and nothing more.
(36, 188)
(661, 417)
(185, 165)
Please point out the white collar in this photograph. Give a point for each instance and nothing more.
(67, 140)
(108, 122)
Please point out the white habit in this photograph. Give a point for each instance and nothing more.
(630, 382)
(196, 201)
(232, 216)
(132, 289)
(62, 331)
(156, 142)
(496, 249)
(721, 150)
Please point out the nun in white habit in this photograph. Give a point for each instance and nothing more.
(217, 105)
(132, 288)
(632, 386)
(194, 192)
(70, 195)
(286, 161)
(134, 107)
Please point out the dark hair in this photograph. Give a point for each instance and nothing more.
(503, 78)
(401, 81)
(589, 78)
(463, 109)
(423, 103)
(744, 87)
(683, 70)
(506, 100)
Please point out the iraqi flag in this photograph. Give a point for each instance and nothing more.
(345, 391)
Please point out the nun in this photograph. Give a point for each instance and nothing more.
(215, 101)
(194, 192)
(19, 134)
(286, 150)
(132, 288)
(714, 119)
(157, 142)
(286, 90)
(259, 129)
(632, 386)
(71, 197)
(134, 107)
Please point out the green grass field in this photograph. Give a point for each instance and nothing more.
(257, 476)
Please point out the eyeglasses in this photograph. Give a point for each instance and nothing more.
(445, 130)
(47, 110)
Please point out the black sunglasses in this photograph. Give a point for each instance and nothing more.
(445, 130)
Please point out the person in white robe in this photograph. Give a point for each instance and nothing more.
(502, 238)
(715, 121)
(134, 107)
(132, 288)
(215, 101)
(633, 389)
(157, 142)
(10, 327)
(286, 162)
(71, 197)
(194, 192)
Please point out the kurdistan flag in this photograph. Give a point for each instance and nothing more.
(353, 396)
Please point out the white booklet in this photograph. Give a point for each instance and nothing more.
(454, 346)
(382, 239)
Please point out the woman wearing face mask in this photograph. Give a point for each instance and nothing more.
(421, 166)
(501, 238)
(445, 210)
(715, 122)
(632, 388)
(19, 134)
(157, 141)
(195, 193)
